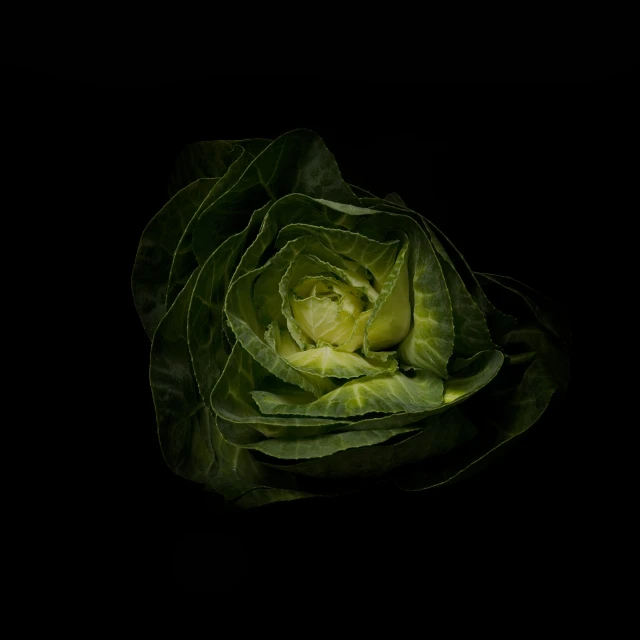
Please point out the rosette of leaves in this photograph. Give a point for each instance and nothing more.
(309, 338)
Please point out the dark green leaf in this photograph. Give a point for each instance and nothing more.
(360, 192)
(474, 315)
(313, 446)
(385, 393)
(504, 418)
(237, 476)
(184, 258)
(210, 159)
(231, 400)
(429, 343)
(471, 374)
(497, 322)
(395, 199)
(436, 436)
(297, 162)
(551, 315)
(182, 417)
(205, 318)
(157, 246)
(537, 369)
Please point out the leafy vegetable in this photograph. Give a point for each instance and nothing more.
(305, 331)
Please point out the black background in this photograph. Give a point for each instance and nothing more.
(497, 168)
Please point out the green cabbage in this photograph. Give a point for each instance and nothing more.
(309, 339)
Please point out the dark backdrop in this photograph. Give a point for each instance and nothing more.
(497, 169)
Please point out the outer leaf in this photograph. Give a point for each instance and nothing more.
(471, 330)
(237, 476)
(395, 199)
(387, 393)
(250, 432)
(209, 159)
(297, 162)
(413, 397)
(231, 400)
(510, 416)
(547, 312)
(360, 192)
(531, 339)
(471, 375)
(262, 496)
(498, 322)
(314, 446)
(544, 325)
(384, 204)
(183, 420)
(438, 435)
(184, 258)
(205, 318)
(508, 407)
(155, 251)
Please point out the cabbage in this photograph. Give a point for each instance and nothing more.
(309, 338)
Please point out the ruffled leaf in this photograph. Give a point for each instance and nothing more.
(155, 252)
(387, 393)
(182, 417)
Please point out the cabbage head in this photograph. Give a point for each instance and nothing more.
(309, 339)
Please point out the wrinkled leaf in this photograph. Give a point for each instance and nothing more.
(236, 475)
(205, 315)
(201, 160)
(514, 401)
(155, 251)
(297, 162)
(313, 446)
(429, 343)
(438, 435)
(386, 393)
(231, 400)
(182, 417)
(184, 257)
